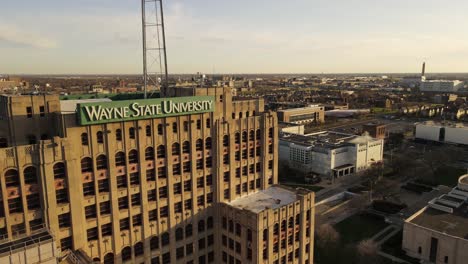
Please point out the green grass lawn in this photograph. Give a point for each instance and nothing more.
(313, 188)
(393, 247)
(359, 227)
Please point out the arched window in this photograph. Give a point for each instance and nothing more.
(101, 162)
(133, 156)
(161, 151)
(247, 114)
(3, 143)
(179, 234)
(253, 112)
(118, 137)
(244, 136)
(131, 132)
(84, 139)
(120, 159)
(126, 253)
(59, 170)
(237, 138)
(188, 230)
(30, 175)
(149, 153)
(154, 243)
(208, 143)
(86, 165)
(225, 141)
(100, 137)
(148, 131)
(11, 178)
(165, 239)
(251, 135)
(176, 149)
(201, 226)
(240, 114)
(109, 258)
(138, 249)
(186, 147)
(199, 145)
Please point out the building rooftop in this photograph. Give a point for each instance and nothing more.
(325, 139)
(301, 108)
(273, 197)
(455, 224)
(69, 106)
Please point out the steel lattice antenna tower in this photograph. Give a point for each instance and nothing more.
(154, 46)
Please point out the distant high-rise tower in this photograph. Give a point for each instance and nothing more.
(423, 74)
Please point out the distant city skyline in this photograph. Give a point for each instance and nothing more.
(256, 36)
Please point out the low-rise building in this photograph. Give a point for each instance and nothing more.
(440, 86)
(453, 133)
(438, 233)
(375, 130)
(330, 154)
(309, 114)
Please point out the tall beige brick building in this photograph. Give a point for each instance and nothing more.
(189, 178)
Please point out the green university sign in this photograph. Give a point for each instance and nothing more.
(107, 112)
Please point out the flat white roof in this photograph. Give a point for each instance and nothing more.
(310, 107)
(69, 106)
(273, 197)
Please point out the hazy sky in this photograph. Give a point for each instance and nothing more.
(243, 36)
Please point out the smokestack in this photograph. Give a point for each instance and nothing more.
(423, 70)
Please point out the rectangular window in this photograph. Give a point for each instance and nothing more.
(199, 124)
(61, 196)
(137, 220)
(103, 185)
(105, 208)
(150, 175)
(136, 201)
(41, 111)
(64, 220)
(92, 234)
(88, 189)
(33, 201)
(174, 127)
(125, 224)
(227, 176)
(152, 195)
(201, 200)
(106, 229)
(178, 207)
(176, 169)
(187, 166)
(163, 192)
(122, 181)
(162, 172)
(177, 188)
(186, 126)
(90, 211)
(188, 204)
(200, 182)
(164, 211)
(135, 178)
(153, 215)
(123, 203)
(188, 186)
(29, 112)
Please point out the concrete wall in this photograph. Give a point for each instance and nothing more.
(456, 135)
(414, 236)
(428, 132)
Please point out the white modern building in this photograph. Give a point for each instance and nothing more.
(330, 154)
(440, 86)
(454, 133)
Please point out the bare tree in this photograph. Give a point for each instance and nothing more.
(327, 236)
(371, 176)
(367, 251)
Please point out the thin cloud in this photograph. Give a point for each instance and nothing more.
(12, 35)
